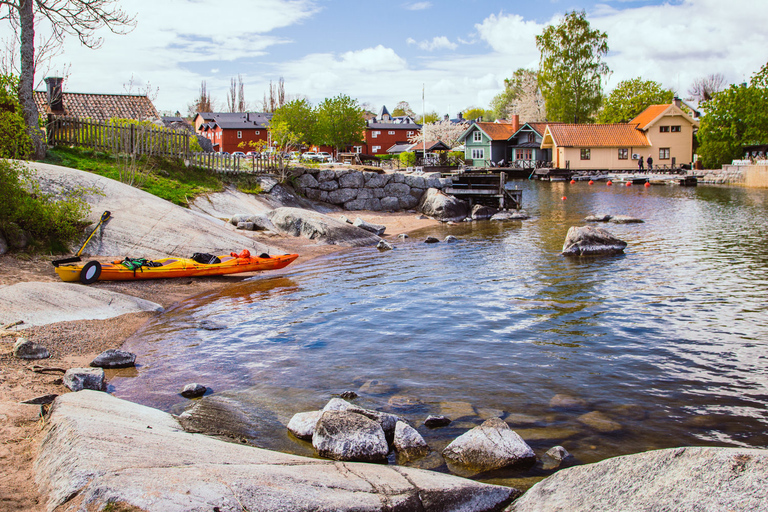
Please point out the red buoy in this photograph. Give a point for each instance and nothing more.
(564, 198)
(573, 182)
(647, 184)
(629, 183)
(609, 183)
(591, 182)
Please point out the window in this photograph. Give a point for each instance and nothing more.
(526, 154)
(239, 134)
(375, 134)
(585, 153)
(531, 137)
(478, 154)
(391, 132)
(376, 149)
(257, 132)
(409, 134)
(623, 154)
(358, 149)
(477, 137)
(663, 153)
(663, 129)
(675, 128)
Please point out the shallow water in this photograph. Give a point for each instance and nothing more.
(667, 342)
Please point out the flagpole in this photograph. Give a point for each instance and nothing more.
(423, 128)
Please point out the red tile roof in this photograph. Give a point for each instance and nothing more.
(649, 114)
(497, 131)
(597, 135)
(100, 107)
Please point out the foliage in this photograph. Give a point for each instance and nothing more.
(408, 159)
(14, 139)
(340, 122)
(170, 179)
(522, 96)
(284, 140)
(428, 117)
(444, 130)
(301, 119)
(571, 68)
(735, 117)
(403, 109)
(203, 102)
(631, 97)
(480, 114)
(51, 223)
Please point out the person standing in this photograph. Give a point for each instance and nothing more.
(640, 163)
(650, 163)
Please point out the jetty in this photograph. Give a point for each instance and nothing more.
(485, 188)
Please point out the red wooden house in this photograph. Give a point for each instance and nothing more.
(384, 131)
(228, 130)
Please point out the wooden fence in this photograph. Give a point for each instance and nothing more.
(219, 162)
(117, 138)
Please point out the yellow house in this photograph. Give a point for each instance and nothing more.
(663, 132)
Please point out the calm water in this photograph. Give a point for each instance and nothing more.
(665, 346)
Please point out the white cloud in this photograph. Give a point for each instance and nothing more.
(418, 6)
(437, 43)
(511, 35)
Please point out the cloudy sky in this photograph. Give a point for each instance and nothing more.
(385, 51)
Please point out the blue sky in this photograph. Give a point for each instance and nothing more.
(381, 52)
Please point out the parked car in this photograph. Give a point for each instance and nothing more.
(311, 156)
(294, 155)
(324, 157)
(238, 153)
(253, 154)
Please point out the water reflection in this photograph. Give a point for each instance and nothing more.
(668, 341)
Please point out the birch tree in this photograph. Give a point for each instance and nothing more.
(443, 130)
(79, 18)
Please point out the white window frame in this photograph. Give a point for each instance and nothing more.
(391, 132)
(478, 153)
(358, 149)
(664, 153)
(258, 132)
(585, 153)
(239, 134)
(409, 134)
(375, 134)
(376, 149)
(623, 153)
(477, 136)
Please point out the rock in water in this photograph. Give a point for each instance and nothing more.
(376, 229)
(436, 421)
(492, 445)
(625, 219)
(480, 212)
(113, 358)
(78, 379)
(193, 390)
(698, 479)
(431, 240)
(441, 206)
(409, 442)
(348, 436)
(598, 218)
(555, 457)
(450, 239)
(591, 241)
(302, 424)
(25, 349)
(383, 245)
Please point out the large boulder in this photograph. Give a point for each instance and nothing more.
(346, 435)
(441, 206)
(319, 227)
(158, 228)
(591, 241)
(101, 449)
(697, 479)
(492, 445)
(25, 349)
(78, 379)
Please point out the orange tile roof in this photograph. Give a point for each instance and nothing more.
(649, 114)
(497, 131)
(597, 135)
(100, 107)
(539, 127)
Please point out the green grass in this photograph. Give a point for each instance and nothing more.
(168, 179)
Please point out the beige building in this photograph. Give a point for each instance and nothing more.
(663, 132)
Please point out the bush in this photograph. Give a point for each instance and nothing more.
(14, 139)
(408, 159)
(49, 224)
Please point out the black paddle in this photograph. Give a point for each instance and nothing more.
(76, 258)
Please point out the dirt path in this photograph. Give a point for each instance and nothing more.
(74, 344)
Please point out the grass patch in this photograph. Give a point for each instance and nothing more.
(165, 178)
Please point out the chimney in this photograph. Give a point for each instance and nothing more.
(55, 99)
(446, 117)
(461, 116)
(677, 102)
(515, 122)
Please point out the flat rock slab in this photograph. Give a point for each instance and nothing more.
(693, 479)
(38, 303)
(99, 448)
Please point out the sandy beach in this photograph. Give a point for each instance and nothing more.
(75, 344)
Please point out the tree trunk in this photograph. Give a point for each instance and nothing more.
(27, 79)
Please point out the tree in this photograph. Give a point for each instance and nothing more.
(80, 18)
(203, 102)
(340, 122)
(522, 96)
(704, 87)
(443, 130)
(276, 97)
(428, 117)
(403, 109)
(479, 114)
(630, 97)
(14, 139)
(300, 118)
(735, 117)
(571, 68)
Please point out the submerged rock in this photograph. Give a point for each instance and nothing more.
(436, 421)
(492, 445)
(431, 240)
(193, 390)
(590, 241)
(555, 457)
(598, 218)
(599, 421)
(113, 358)
(383, 245)
(625, 219)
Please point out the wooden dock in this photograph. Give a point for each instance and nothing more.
(486, 189)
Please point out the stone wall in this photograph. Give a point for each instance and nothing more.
(728, 175)
(365, 190)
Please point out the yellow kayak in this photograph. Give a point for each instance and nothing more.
(171, 267)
